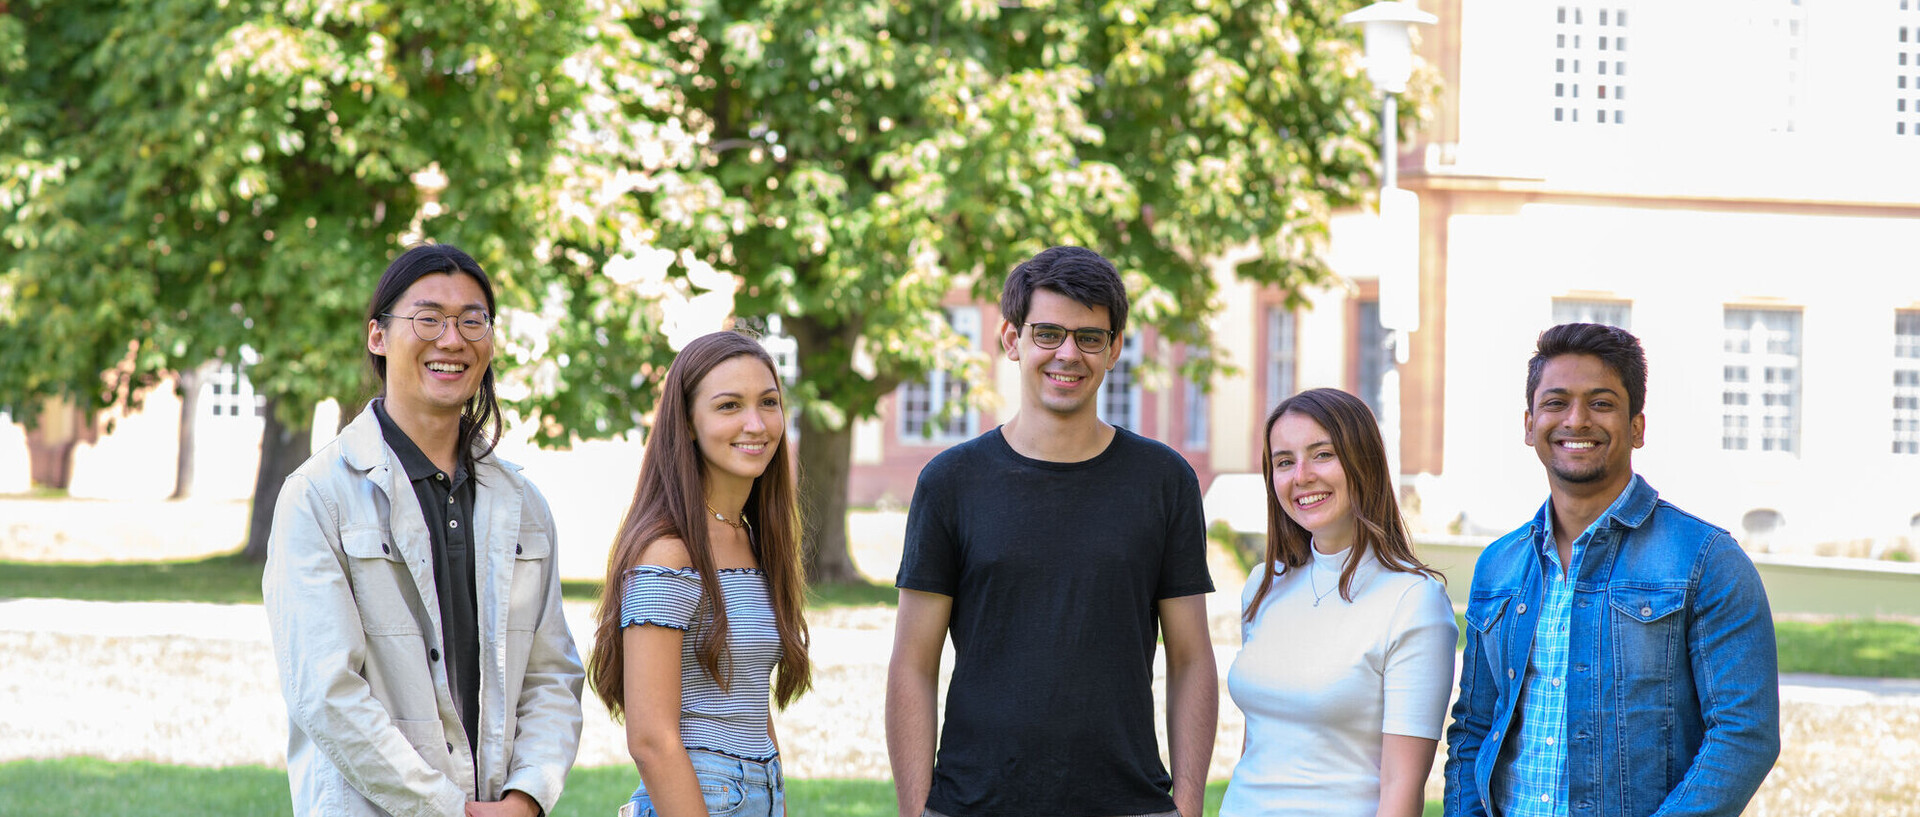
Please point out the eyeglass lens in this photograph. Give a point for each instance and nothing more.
(1051, 335)
(474, 325)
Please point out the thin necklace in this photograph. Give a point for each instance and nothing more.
(723, 518)
(1314, 586)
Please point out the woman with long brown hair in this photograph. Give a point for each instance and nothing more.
(1346, 657)
(705, 592)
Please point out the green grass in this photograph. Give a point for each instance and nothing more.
(97, 788)
(852, 594)
(1849, 646)
(226, 579)
(230, 579)
(1856, 647)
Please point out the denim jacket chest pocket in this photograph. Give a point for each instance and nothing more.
(1648, 644)
(1487, 615)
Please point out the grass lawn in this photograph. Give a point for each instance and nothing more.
(97, 788)
(223, 579)
(230, 579)
(1849, 646)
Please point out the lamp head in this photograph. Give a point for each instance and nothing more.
(1388, 28)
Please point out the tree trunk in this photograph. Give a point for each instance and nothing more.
(56, 429)
(282, 449)
(824, 457)
(188, 383)
(825, 454)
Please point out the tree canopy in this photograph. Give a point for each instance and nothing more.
(184, 177)
(854, 162)
(179, 178)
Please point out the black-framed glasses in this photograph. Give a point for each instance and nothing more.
(1091, 340)
(429, 324)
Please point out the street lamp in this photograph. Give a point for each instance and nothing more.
(1388, 29)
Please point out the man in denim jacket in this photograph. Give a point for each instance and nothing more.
(1620, 651)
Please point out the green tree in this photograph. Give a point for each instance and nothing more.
(179, 178)
(853, 161)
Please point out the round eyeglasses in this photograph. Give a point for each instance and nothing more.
(429, 324)
(1091, 340)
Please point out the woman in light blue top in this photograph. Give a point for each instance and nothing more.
(704, 593)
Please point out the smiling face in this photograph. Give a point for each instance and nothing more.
(1063, 381)
(1581, 427)
(738, 419)
(437, 377)
(1310, 482)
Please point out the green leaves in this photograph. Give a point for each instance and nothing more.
(206, 175)
(856, 163)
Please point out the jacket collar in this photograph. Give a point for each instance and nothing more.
(1629, 510)
(364, 449)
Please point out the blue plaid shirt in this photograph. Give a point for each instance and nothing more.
(1531, 780)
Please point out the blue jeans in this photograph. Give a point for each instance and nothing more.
(732, 787)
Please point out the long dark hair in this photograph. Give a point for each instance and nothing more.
(480, 421)
(670, 501)
(1378, 528)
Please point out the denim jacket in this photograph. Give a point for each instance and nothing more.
(356, 630)
(1673, 699)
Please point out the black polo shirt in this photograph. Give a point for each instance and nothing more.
(447, 504)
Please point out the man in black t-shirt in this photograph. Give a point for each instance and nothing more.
(1055, 548)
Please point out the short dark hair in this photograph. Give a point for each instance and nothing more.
(1615, 347)
(1076, 272)
(480, 423)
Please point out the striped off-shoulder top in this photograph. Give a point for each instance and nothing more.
(735, 722)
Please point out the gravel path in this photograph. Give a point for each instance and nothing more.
(194, 684)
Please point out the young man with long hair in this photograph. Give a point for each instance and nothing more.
(412, 581)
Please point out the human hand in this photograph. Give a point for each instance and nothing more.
(516, 804)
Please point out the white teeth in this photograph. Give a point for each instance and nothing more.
(1311, 500)
(454, 368)
(1064, 378)
(1579, 446)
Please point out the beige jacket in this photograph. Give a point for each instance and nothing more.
(356, 634)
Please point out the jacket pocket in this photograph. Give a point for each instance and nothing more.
(1649, 638)
(382, 585)
(532, 552)
(1483, 612)
(429, 738)
(1486, 617)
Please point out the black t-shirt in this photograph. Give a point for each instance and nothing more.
(1054, 569)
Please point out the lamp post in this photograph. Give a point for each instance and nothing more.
(1388, 30)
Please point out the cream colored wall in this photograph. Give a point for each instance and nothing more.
(14, 473)
(1233, 399)
(1680, 269)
